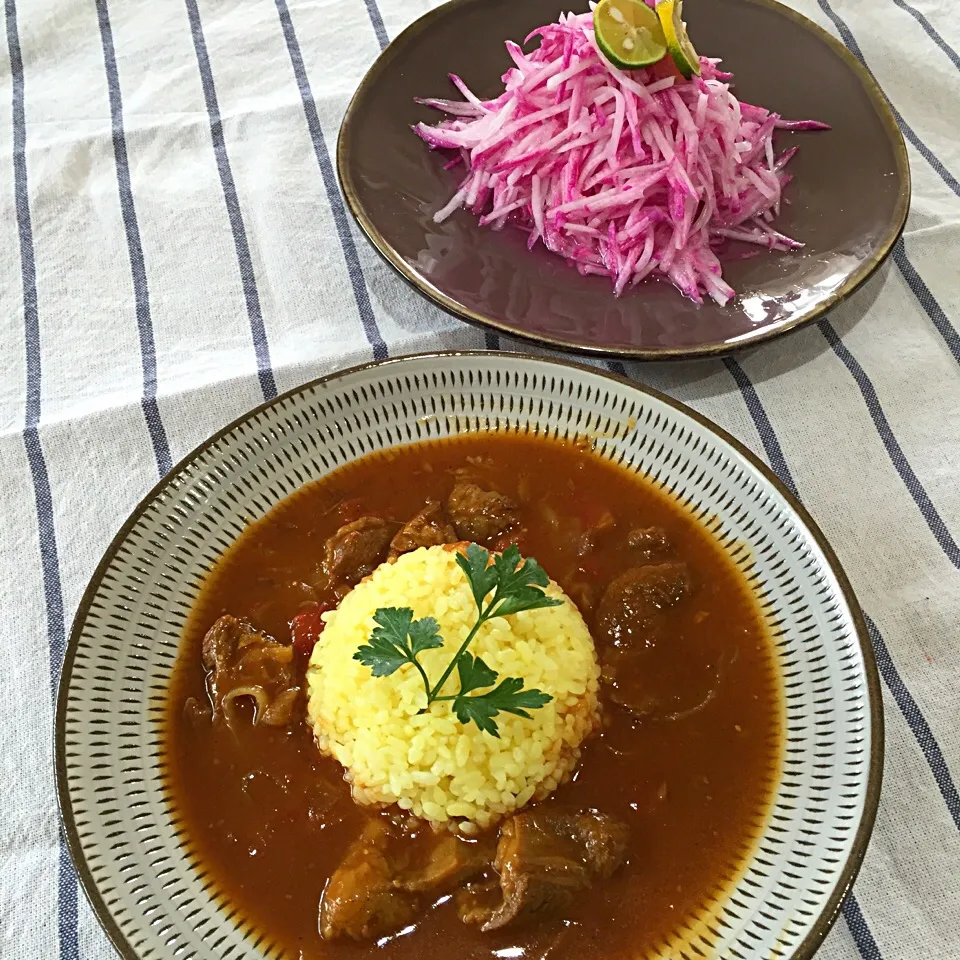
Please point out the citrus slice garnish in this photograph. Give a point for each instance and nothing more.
(629, 33)
(678, 43)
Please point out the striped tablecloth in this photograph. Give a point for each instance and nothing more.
(174, 249)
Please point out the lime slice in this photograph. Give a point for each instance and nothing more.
(678, 43)
(629, 33)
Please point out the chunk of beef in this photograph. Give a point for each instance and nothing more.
(638, 669)
(605, 843)
(220, 643)
(591, 538)
(360, 899)
(429, 528)
(445, 862)
(650, 542)
(621, 672)
(627, 614)
(243, 665)
(545, 857)
(378, 887)
(654, 687)
(480, 515)
(356, 550)
(476, 902)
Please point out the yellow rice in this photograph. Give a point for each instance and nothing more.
(433, 765)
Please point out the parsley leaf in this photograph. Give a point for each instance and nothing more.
(397, 640)
(511, 573)
(388, 649)
(508, 697)
(482, 577)
(519, 585)
(516, 584)
(526, 598)
(424, 635)
(474, 674)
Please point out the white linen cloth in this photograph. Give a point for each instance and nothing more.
(173, 249)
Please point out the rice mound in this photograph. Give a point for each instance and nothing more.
(440, 769)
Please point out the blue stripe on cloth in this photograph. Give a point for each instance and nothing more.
(933, 310)
(141, 293)
(761, 421)
(490, 339)
(901, 695)
(862, 936)
(927, 154)
(926, 299)
(897, 457)
(373, 11)
(67, 920)
(929, 303)
(28, 269)
(915, 720)
(340, 219)
(930, 31)
(245, 262)
(67, 926)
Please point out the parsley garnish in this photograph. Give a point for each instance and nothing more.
(513, 584)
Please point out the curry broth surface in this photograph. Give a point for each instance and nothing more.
(694, 791)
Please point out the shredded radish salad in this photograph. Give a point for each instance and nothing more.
(624, 174)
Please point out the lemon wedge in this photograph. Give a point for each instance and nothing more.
(628, 33)
(681, 49)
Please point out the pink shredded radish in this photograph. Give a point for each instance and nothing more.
(624, 174)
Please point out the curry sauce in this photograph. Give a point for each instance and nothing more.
(687, 757)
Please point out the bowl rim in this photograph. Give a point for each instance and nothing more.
(848, 874)
(863, 272)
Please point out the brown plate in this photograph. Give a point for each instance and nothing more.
(847, 204)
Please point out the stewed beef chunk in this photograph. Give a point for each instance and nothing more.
(650, 542)
(628, 611)
(544, 858)
(429, 528)
(361, 900)
(446, 861)
(480, 515)
(245, 665)
(356, 550)
(476, 902)
(604, 840)
(596, 533)
(387, 875)
(632, 620)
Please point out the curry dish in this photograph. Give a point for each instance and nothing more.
(634, 830)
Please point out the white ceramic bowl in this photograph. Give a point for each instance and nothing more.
(110, 775)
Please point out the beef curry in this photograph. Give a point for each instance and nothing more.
(669, 794)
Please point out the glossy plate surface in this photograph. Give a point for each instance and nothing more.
(145, 885)
(848, 201)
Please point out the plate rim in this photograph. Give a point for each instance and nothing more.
(851, 868)
(863, 272)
